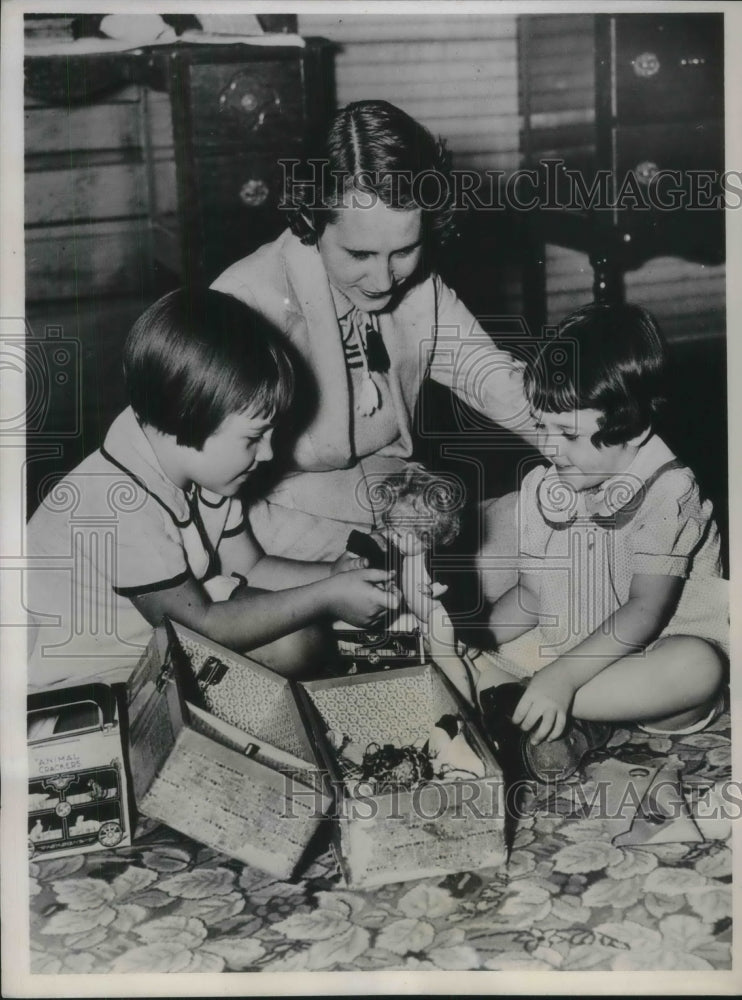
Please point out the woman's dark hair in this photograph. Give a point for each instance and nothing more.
(611, 358)
(377, 151)
(195, 357)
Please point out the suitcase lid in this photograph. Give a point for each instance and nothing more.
(157, 712)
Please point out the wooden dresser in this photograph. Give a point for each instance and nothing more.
(230, 115)
(637, 100)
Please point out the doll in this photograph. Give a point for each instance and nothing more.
(422, 510)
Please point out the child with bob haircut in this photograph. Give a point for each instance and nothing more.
(150, 525)
(619, 612)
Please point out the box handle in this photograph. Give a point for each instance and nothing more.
(99, 693)
(60, 699)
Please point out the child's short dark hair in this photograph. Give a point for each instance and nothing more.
(610, 358)
(196, 356)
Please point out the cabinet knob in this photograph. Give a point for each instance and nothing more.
(251, 102)
(254, 193)
(646, 64)
(645, 171)
(248, 102)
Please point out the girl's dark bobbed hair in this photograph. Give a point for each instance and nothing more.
(374, 150)
(195, 356)
(611, 358)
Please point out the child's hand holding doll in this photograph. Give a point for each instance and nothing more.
(422, 510)
(348, 562)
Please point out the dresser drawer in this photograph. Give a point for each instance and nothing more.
(647, 149)
(230, 207)
(684, 217)
(238, 105)
(668, 66)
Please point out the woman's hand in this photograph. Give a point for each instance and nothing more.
(347, 562)
(545, 705)
(361, 596)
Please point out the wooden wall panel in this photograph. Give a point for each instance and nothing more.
(401, 28)
(569, 281)
(688, 299)
(86, 199)
(457, 74)
(85, 194)
(105, 258)
(102, 126)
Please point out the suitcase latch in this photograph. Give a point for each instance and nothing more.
(212, 672)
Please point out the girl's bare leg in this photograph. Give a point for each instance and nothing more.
(670, 686)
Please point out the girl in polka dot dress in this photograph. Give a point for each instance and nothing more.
(619, 612)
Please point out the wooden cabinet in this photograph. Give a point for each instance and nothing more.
(232, 113)
(660, 118)
(633, 104)
(666, 66)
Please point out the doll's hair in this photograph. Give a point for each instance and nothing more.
(374, 150)
(428, 504)
(611, 358)
(196, 356)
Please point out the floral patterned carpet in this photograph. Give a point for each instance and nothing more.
(569, 898)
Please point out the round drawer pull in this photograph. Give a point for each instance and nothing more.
(251, 103)
(646, 64)
(254, 193)
(645, 171)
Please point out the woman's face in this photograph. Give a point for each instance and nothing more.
(369, 253)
